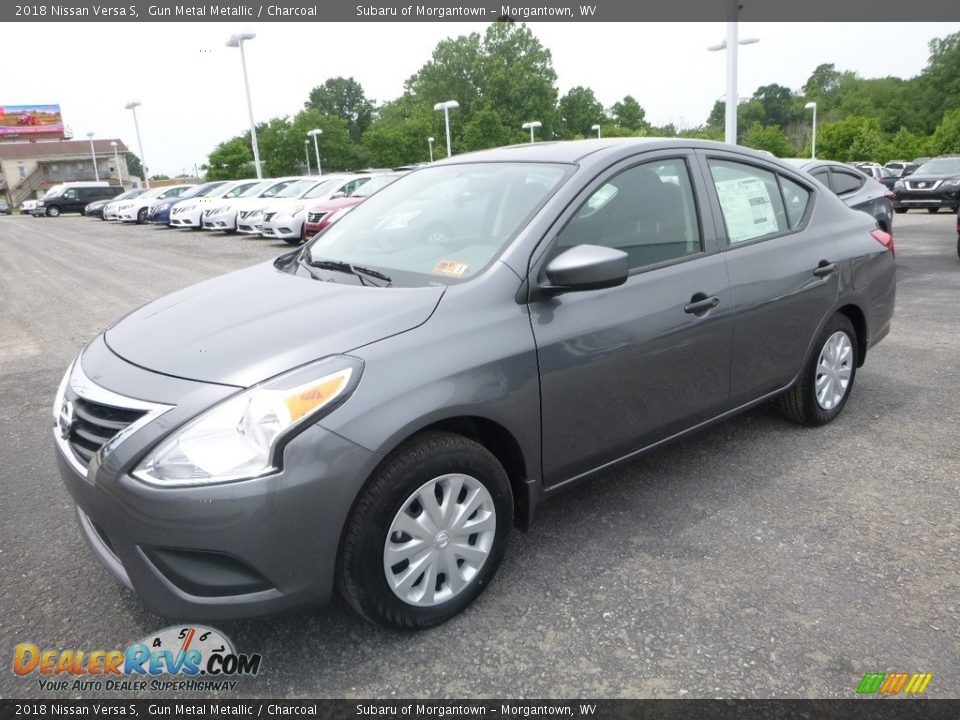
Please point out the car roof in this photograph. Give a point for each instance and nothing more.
(575, 151)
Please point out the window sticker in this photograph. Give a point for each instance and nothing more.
(451, 267)
(747, 208)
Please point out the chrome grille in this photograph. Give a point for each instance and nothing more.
(95, 424)
(922, 184)
(315, 217)
(269, 215)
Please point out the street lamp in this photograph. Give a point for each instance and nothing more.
(531, 126)
(306, 151)
(597, 128)
(133, 105)
(813, 141)
(237, 42)
(93, 154)
(730, 45)
(316, 148)
(116, 160)
(430, 142)
(447, 107)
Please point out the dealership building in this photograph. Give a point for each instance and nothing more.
(29, 168)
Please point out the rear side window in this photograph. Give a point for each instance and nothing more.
(795, 200)
(844, 182)
(750, 200)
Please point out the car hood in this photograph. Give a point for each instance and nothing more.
(249, 325)
(928, 177)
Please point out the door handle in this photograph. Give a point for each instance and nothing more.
(699, 304)
(825, 268)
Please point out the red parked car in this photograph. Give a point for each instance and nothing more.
(322, 216)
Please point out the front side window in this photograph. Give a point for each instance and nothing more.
(441, 224)
(648, 211)
(750, 201)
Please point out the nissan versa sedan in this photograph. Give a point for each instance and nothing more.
(373, 412)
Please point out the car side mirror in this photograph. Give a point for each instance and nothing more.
(586, 267)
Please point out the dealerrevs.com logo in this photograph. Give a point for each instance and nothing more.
(174, 659)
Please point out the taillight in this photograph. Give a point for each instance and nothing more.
(885, 239)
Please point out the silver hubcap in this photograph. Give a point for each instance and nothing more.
(439, 540)
(834, 368)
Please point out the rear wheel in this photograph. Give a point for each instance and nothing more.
(827, 379)
(428, 532)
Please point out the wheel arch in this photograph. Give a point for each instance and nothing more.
(859, 321)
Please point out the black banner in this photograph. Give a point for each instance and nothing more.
(485, 11)
(634, 709)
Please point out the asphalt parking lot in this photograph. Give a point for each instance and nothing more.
(757, 559)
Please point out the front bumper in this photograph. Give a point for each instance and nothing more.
(282, 227)
(189, 218)
(947, 197)
(222, 551)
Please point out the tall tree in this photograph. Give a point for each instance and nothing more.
(579, 110)
(343, 97)
(628, 114)
(230, 160)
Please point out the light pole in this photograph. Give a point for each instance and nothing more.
(133, 105)
(813, 141)
(730, 45)
(237, 42)
(447, 107)
(531, 126)
(316, 148)
(597, 128)
(116, 160)
(430, 142)
(93, 154)
(306, 151)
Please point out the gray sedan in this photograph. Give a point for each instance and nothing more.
(375, 411)
(854, 186)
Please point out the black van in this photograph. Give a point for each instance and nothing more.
(74, 198)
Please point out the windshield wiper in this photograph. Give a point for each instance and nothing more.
(358, 270)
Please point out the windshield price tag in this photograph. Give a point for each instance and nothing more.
(451, 267)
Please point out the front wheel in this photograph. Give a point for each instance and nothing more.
(428, 532)
(141, 216)
(933, 211)
(900, 211)
(53, 211)
(823, 388)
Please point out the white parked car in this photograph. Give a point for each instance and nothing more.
(189, 212)
(285, 219)
(28, 206)
(250, 210)
(135, 209)
(225, 214)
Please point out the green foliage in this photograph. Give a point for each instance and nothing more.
(946, 138)
(134, 166)
(905, 145)
(579, 112)
(399, 135)
(770, 138)
(628, 115)
(231, 160)
(855, 138)
(343, 97)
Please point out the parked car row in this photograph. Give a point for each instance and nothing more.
(292, 209)
(856, 188)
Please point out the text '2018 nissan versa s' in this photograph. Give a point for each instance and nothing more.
(375, 411)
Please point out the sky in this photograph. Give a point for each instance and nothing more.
(191, 85)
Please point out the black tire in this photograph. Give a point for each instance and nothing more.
(53, 211)
(800, 402)
(361, 575)
(933, 211)
(900, 211)
(141, 216)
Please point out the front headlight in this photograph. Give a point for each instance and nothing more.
(61, 392)
(898, 185)
(297, 210)
(187, 208)
(241, 437)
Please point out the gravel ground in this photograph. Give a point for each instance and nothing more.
(756, 559)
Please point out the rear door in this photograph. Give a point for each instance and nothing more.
(623, 367)
(783, 268)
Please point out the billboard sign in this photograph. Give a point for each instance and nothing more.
(21, 121)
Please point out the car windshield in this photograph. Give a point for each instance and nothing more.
(439, 225)
(295, 189)
(378, 182)
(275, 189)
(242, 189)
(254, 190)
(940, 166)
(320, 191)
(54, 192)
(203, 190)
